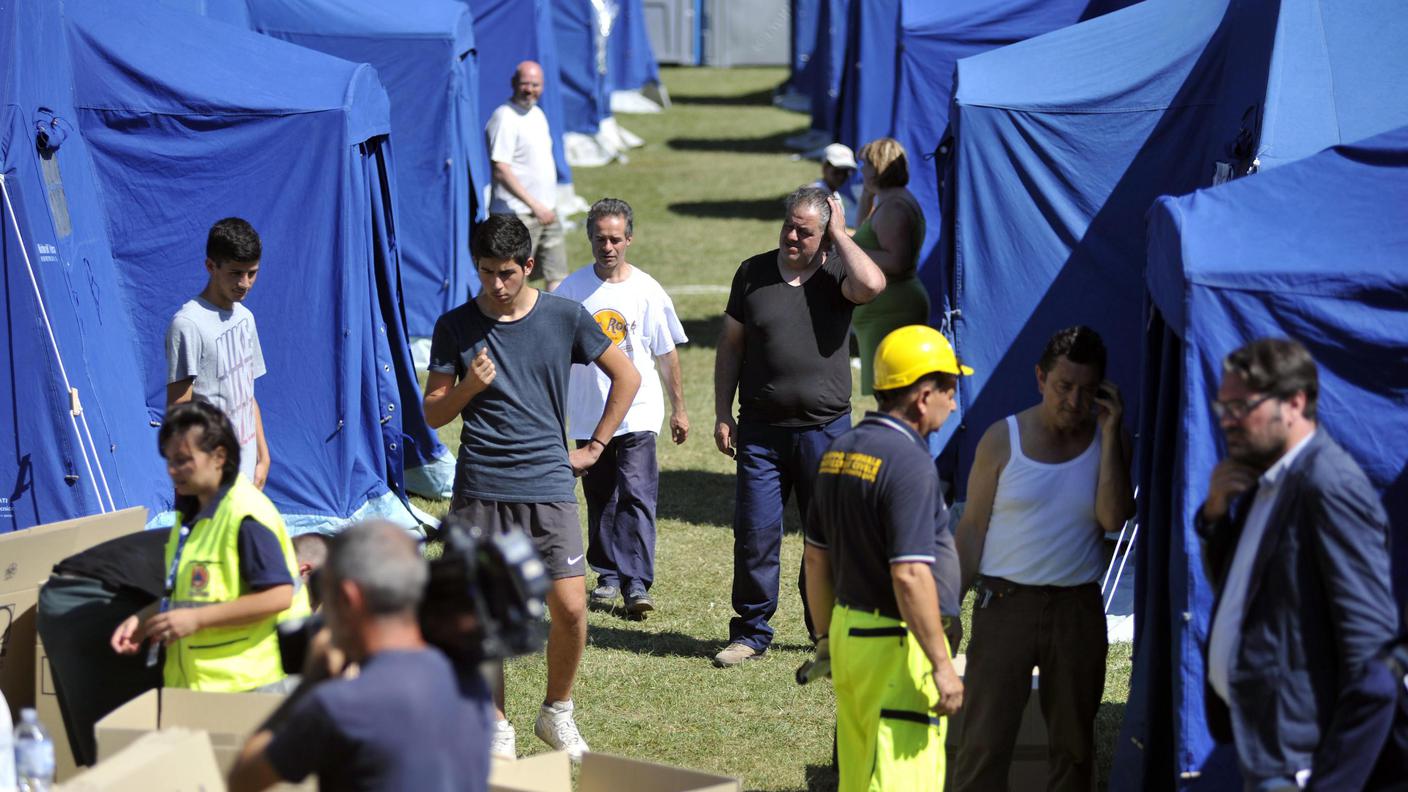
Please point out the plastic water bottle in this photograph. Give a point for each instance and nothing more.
(7, 748)
(34, 754)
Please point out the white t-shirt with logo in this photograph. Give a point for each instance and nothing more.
(221, 350)
(639, 317)
(520, 138)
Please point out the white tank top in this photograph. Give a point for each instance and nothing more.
(1043, 530)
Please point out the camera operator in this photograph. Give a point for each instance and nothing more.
(404, 721)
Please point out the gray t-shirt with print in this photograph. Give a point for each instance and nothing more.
(221, 350)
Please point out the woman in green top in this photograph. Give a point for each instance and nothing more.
(891, 232)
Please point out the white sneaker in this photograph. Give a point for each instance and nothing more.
(504, 744)
(556, 727)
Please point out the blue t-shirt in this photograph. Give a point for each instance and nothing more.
(876, 502)
(513, 446)
(404, 723)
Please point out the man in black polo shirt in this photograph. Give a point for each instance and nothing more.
(784, 349)
(877, 536)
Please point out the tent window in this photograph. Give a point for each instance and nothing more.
(58, 200)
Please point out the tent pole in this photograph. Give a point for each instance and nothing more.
(1125, 559)
(74, 410)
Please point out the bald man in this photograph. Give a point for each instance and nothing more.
(525, 175)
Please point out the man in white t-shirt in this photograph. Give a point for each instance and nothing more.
(525, 174)
(623, 487)
(212, 346)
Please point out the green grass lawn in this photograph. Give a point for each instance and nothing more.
(707, 191)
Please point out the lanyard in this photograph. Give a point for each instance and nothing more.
(185, 533)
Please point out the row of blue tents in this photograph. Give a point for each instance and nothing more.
(1183, 176)
(349, 133)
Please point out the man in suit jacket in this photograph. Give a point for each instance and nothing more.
(1295, 542)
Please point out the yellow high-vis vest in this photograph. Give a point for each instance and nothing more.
(227, 659)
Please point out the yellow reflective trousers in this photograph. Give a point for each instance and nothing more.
(887, 735)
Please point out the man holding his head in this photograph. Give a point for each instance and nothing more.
(784, 350)
(525, 173)
(881, 569)
(501, 362)
(1295, 541)
(402, 722)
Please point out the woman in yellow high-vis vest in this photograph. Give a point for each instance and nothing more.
(231, 573)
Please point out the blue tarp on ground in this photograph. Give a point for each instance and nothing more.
(49, 470)
(1312, 251)
(630, 59)
(581, 53)
(424, 52)
(209, 125)
(508, 32)
(913, 91)
(1049, 180)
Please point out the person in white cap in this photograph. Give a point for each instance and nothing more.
(838, 164)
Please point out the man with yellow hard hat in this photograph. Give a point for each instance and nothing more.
(876, 536)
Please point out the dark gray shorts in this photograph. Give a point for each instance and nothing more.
(554, 528)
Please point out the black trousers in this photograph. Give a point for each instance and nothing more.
(77, 617)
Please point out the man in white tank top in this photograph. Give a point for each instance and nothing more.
(1046, 485)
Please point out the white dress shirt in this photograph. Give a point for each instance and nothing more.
(1227, 622)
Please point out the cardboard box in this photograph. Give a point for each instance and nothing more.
(227, 718)
(1028, 758)
(26, 559)
(171, 760)
(552, 772)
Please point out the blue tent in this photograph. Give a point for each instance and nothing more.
(828, 61)
(511, 31)
(630, 59)
(581, 52)
(1048, 182)
(806, 16)
(1311, 251)
(63, 322)
(908, 90)
(870, 75)
(424, 52)
(209, 125)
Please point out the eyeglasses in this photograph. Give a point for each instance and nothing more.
(1237, 410)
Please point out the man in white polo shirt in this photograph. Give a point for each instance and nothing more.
(623, 487)
(525, 175)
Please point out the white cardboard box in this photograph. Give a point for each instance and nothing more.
(552, 772)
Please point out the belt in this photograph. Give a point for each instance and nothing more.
(895, 631)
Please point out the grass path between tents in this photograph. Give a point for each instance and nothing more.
(706, 190)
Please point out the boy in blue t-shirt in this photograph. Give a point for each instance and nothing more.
(501, 362)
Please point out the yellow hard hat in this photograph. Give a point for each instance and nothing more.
(909, 353)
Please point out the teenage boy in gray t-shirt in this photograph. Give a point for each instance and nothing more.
(212, 346)
(501, 362)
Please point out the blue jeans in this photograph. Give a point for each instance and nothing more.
(773, 461)
(622, 489)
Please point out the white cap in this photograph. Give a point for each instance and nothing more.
(838, 155)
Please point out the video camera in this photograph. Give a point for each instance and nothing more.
(484, 599)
